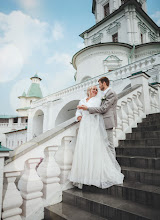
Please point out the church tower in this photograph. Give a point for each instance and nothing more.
(123, 34)
(103, 8)
(34, 93)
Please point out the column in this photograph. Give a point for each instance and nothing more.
(127, 15)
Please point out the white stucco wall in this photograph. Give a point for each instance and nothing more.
(90, 61)
(15, 139)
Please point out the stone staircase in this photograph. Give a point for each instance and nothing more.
(137, 199)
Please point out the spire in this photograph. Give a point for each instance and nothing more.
(24, 94)
(36, 76)
(34, 91)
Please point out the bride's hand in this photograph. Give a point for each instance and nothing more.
(79, 118)
(82, 107)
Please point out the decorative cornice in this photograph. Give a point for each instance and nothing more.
(142, 27)
(97, 38)
(113, 27)
(152, 36)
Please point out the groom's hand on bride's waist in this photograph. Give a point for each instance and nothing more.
(84, 107)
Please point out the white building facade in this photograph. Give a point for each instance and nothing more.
(11, 123)
(16, 138)
(133, 67)
(123, 41)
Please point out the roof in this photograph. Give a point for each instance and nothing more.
(8, 116)
(121, 8)
(36, 76)
(4, 149)
(16, 131)
(23, 95)
(25, 108)
(34, 91)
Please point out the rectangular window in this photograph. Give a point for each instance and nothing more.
(106, 10)
(15, 120)
(115, 37)
(141, 38)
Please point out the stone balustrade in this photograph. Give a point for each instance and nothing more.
(43, 186)
(119, 74)
(4, 124)
(129, 113)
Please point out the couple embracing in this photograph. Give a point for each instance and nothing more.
(94, 161)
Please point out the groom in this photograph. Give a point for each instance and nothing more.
(107, 109)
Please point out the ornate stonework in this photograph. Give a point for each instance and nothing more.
(143, 27)
(97, 38)
(113, 28)
(111, 63)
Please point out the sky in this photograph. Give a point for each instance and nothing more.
(41, 36)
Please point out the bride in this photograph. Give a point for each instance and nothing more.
(93, 162)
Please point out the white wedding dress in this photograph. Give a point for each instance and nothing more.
(93, 162)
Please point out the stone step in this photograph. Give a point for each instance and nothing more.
(141, 135)
(147, 128)
(139, 142)
(148, 151)
(139, 162)
(145, 176)
(148, 195)
(109, 207)
(153, 116)
(149, 123)
(64, 211)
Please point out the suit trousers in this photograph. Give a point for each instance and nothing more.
(110, 140)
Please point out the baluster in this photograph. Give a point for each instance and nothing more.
(125, 121)
(152, 101)
(49, 172)
(156, 102)
(130, 114)
(30, 186)
(140, 106)
(64, 157)
(118, 129)
(12, 199)
(135, 108)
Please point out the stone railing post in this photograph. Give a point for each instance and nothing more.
(12, 199)
(124, 118)
(118, 129)
(130, 113)
(64, 157)
(49, 172)
(142, 78)
(157, 86)
(140, 105)
(30, 186)
(135, 108)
